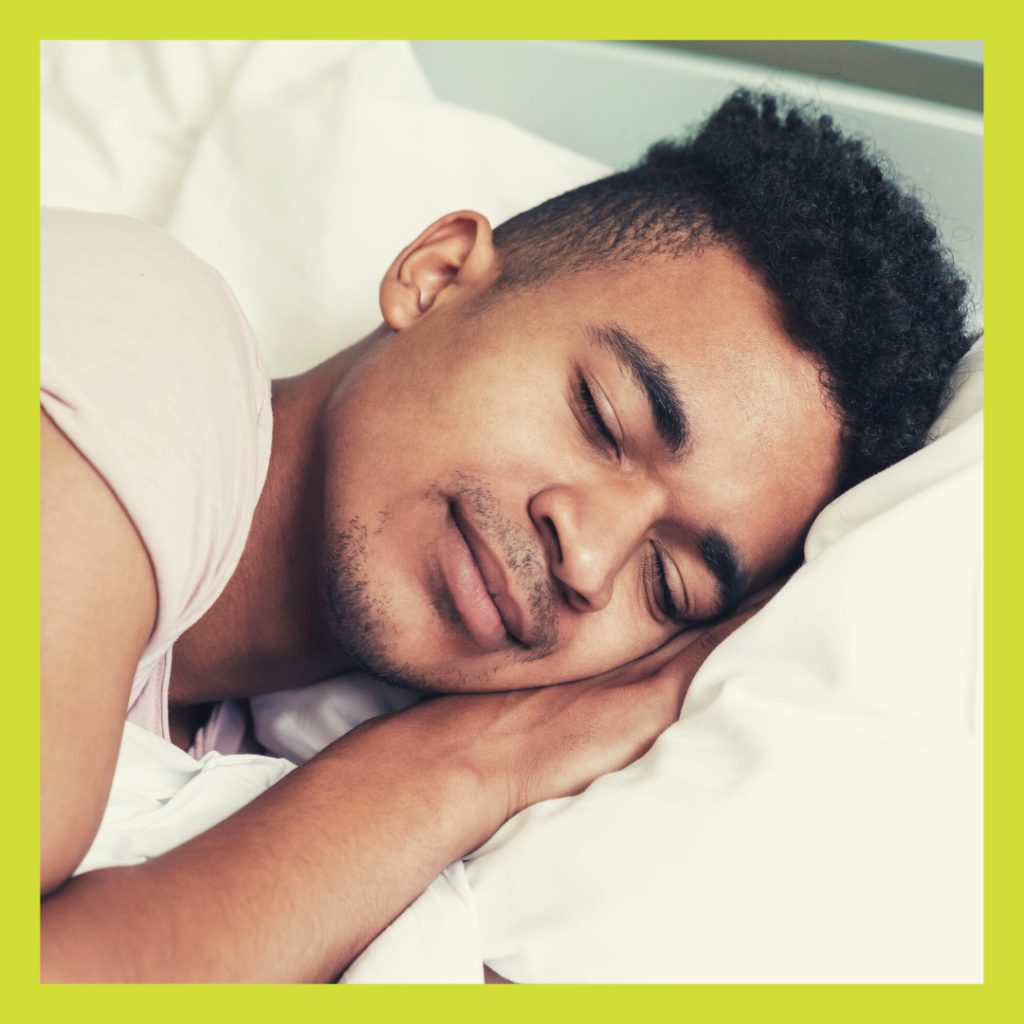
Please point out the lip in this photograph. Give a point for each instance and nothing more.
(476, 582)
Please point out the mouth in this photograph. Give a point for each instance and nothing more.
(476, 582)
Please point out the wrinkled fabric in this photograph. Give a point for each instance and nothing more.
(161, 797)
(816, 813)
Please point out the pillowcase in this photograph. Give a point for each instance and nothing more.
(298, 169)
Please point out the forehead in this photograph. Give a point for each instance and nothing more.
(710, 299)
(706, 317)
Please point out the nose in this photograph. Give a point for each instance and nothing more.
(589, 533)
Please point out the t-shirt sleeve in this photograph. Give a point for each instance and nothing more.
(149, 368)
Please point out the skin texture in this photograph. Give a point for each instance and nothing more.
(89, 648)
(297, 883)
(512, 446)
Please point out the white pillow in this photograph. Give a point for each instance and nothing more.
(298, 169)
(816, 814)
(120, 120)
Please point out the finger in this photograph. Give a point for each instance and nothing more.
(711, 638)
(761, 597)
(707, 636)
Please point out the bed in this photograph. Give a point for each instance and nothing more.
(816, 813)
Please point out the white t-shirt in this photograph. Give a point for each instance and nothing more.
(148, 366)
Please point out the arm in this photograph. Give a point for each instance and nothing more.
(97, 607)
(294, 885)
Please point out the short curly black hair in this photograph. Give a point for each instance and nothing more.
(861, 278)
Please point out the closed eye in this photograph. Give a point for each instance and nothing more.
(668, 605)
(587, 397)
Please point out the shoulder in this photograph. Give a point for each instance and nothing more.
(149, 368)
(132, 288)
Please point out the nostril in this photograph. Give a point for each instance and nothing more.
(554, 536)
(572, 597)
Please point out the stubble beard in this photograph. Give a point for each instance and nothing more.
(357, 618)
(361, 618)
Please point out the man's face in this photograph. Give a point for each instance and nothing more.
(557, 482)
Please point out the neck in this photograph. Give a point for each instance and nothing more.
(267, 631)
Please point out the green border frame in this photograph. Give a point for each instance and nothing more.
(529, 19)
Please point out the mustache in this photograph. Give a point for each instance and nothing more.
(524, 560)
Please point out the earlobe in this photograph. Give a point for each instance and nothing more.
(454, 252)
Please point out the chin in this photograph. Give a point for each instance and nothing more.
(362, 619)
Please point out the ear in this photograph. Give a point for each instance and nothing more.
(454, 252)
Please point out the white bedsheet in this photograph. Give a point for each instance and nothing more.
(815, 815)
(161, 797)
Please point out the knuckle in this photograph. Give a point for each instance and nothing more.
(709, 641)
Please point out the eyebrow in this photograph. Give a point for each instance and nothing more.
(652, 377)
(720, 557)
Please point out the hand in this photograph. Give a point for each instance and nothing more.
(524, 746)
(616, 717)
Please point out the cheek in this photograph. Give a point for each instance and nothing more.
(486, 425)
(598, 641)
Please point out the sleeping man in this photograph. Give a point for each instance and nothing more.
(539, 493)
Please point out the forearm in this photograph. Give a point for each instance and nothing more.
(293, 886)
